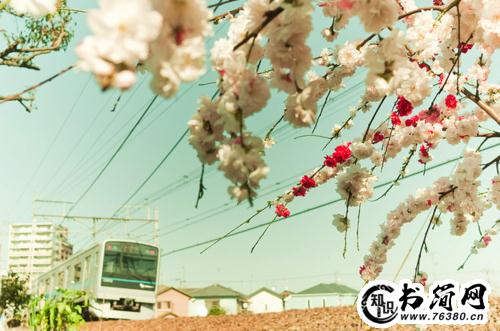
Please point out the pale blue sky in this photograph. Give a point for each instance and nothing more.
(294, 254)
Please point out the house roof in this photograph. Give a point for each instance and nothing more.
(265, 289)
(216, 291)
(164, 288)
(329, 288)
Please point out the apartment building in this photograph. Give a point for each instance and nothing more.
(35, 247)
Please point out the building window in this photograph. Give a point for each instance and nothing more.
(164, 305)
(77, 272)
(60, 279)
(212, 303)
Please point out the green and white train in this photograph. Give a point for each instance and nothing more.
(119, 278)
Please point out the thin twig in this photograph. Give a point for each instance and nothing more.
(321, 111)
(17, 96)
(236, 228)
(269, 17)
(263, 233)
(201, 187)
(487, 109)
(417, 267)
(373, 117)
(268, 134)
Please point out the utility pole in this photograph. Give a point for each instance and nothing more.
(95, 220)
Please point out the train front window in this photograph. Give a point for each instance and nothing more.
(130, 265)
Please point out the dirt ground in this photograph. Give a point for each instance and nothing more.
(319, 319)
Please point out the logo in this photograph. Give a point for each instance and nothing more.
(382, 304)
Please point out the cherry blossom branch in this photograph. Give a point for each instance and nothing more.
(455, 61)
(338, 132)
(321, 111)
(496, 160)
(487, 109)
(373, 117)
(263, 233)
(268, 134)
(480, 239)
(384, 156)
(201, 187)
(347, 224)
(17, 96)
(417, 266)
(220, 3)
(236, 227)
(401, 173)
(232, 12)
(269, 17)
(400, 17)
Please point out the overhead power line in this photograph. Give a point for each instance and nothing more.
(76, 171)
(51, 146)
(313, 208)
(80, 198)
(158, 166)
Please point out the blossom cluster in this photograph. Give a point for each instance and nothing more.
(244, 92)
(167, 36)
(402, 62)
(485, 240)
(122, 32)
(446, 194)
(332, 166)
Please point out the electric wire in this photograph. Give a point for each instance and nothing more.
(87, 190)
(51, 146)
(314, 207)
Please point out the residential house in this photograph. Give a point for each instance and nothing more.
(171, 302)
(321, 295)
(204, 299)
(265, 300)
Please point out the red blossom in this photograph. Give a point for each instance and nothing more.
(299, 191)
(404, 106)
(180, 35)
(451, 101)
(430, 115)
(329, 161)
(342, 153)
(441, 79)
(281, 210)
(423, 280)
(425, 66)
(424, 154)
(345, 4)
(362, 269)
(377, 137)
(486, 240)
(412, 121)
(437, 2)
(466, 47)
(307, 182)
(395, 119)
